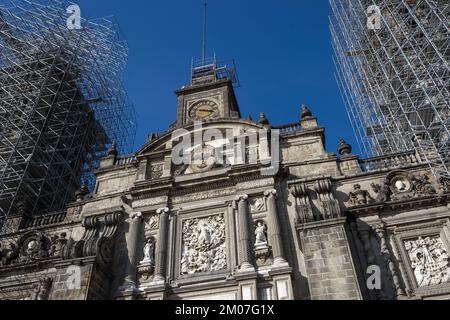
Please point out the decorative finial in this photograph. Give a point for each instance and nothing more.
(250, 118)
(113, 150)
(263, 119)
(344, 148)
(306, 113)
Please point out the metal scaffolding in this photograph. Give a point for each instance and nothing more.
(62, 104)
(395, 79)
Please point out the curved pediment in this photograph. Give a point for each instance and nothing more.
(165, 142)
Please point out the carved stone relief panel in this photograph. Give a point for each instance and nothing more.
(401, 185)
(429, 260)
(156, 170)
(257, 205)
(39, 290)
(152, 222)
(203, 245)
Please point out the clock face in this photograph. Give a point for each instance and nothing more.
(204, 110)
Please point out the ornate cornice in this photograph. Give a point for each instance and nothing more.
(414, 203)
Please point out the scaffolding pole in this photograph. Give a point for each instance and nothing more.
(395, 79)
(62, 104)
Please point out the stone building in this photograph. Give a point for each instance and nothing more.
(298, 223)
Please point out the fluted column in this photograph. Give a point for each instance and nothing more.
(274, 230)
(245, 252)
(161, 245)
(387, 255)
(132, 247)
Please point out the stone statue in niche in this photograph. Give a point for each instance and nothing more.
(262, 249)
(149, 252)
(260, 233)
(429, 260)
(204, 248)
(146, 266)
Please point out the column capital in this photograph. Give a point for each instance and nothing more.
(380, 229)
(243, 197)
(229, 204)
(136, 215)
(162, 210)
(270, 193)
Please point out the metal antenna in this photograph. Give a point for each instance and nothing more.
(204, 32)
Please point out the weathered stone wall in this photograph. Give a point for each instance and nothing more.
(328, 261)
(65, 284)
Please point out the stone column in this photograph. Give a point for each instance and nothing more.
(365, 233)
(274, 230)
(132, 246)
(387, 255)
(245, 252)
(161, 245)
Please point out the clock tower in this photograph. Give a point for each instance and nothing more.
(210, 96)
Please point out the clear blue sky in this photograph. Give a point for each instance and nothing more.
(282, 49)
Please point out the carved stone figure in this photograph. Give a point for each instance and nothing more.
(57, 244)
(445, 184)
(383, 192)
(261, 233)
(32, 249)
(360, 197)
(156, 171)
(147, 265)
(9, 255)
(429, 260)
(149, 252)
(43, 289)
(203, 245)
(422, 186)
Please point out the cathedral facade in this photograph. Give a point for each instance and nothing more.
(225, 208)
